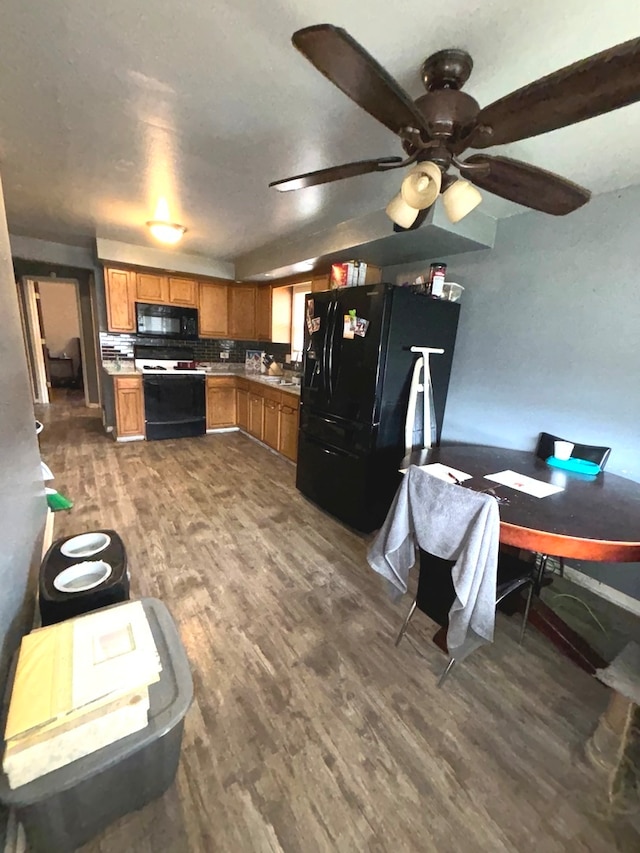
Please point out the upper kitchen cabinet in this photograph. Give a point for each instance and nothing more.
(152, 288)
(242, 311)
(320, 282)
(263, 313)
(183, 291)
(213, 309)
(120, 294)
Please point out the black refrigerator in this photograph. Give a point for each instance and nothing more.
(357, 368)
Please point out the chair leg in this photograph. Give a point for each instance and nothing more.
(448, 669)
(561, 567)
(527, 607)
(540, 570)
(405, 624)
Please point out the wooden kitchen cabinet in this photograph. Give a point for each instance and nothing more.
(152, 288)
(119, 286)
(129, 406)
(183, 291)
(271, 418)
(289, 420)
(263, 312)
(213, 311)
(242, 311)
(242, 406)
(221, 402)
(256, 414)
(320, 282)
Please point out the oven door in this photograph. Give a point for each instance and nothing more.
(166, 321)
(174, 406)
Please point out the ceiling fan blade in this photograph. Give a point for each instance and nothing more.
(336, 173)
(603, 82)
(349, 67)
(525, 184)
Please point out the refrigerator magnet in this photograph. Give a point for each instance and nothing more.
(349, 327)
(361, 327)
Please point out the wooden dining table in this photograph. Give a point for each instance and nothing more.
(595, 518)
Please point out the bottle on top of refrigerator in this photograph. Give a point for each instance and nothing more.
(437, 273)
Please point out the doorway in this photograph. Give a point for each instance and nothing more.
(54, 340)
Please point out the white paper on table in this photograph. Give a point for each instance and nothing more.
(442, 472)
(528, 485)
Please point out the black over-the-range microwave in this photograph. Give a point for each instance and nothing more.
(167, 321)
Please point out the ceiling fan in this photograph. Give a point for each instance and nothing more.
(439, 126)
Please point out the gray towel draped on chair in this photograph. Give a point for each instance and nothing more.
(453, 523)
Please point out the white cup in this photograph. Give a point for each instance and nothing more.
(562, 449)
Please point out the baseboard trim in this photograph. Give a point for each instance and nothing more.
(124, 438)
(222, 429)
(609, 593)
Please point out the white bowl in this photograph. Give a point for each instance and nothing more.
(85, 545)
(82, 576)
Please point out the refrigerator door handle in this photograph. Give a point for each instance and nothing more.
(324, 349)
(329, 450)
(332, 326)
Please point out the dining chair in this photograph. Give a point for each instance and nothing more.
(435, 594)
(590, 452)
(456, 532)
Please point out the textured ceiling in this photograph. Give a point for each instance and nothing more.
(106, 106)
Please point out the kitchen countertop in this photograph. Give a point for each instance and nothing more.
(127, 369)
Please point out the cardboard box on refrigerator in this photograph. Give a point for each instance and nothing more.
(348, 274)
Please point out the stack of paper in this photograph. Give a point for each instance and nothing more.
(80, 685)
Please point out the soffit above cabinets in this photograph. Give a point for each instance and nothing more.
(371, 239)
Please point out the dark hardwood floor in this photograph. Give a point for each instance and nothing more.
(310, 731)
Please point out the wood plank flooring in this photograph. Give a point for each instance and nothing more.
(310, 731)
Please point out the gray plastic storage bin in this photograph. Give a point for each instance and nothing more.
(62, 810)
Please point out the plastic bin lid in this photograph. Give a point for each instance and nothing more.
(169, 701)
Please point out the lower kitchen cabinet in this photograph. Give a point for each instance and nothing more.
(256, 415)
(129, 406)
(221, 402)
(242, 403)
(271, 429)
(288, 433)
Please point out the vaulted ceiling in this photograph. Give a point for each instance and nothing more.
(106, 106)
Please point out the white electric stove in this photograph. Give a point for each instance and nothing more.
(165, 361)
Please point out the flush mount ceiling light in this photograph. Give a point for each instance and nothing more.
(162, 228)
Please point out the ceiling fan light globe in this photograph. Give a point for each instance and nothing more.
(401, 213)
(421, 186)
(460, 199)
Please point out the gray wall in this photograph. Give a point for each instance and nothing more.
(549, 338)
(22, 501)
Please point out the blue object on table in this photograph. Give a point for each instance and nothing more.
(580, 466)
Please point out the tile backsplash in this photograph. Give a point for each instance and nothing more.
(205, 349)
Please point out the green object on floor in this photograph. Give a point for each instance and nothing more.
(56, 501)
